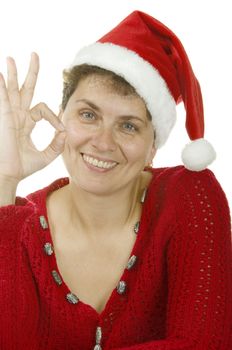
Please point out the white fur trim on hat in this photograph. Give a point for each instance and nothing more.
(198, 154)
(141, 75)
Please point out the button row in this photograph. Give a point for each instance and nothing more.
(72, 298)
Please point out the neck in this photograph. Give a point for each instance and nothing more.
(97, 215)
(93, 216)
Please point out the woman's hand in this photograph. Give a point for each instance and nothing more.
(19, 157)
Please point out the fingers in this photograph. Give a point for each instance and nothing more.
(5, 108)
(41, 111)
(28, 87)
(55, 148)
(12, 83)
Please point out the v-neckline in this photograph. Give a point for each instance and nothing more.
(52, 261)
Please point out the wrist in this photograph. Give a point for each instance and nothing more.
(8, 187)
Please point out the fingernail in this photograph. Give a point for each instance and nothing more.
(9, 59)
(61, 127)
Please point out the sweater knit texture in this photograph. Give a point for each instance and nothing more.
(178, 293)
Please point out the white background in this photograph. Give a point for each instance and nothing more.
(56, 30)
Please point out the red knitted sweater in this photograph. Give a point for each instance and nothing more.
(178, 293)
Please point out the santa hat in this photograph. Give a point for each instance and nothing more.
(152, 59)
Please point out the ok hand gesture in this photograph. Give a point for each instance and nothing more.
(19, 157)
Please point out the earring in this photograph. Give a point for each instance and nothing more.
(148, 166)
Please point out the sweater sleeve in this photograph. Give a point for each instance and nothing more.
(12, 220)
(199, 265)
(11, 216)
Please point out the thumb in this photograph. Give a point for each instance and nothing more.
(55, 148)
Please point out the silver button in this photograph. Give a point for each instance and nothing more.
(98, 335)
(136, 227)
(48, 248)
(121, 287)
(131, 262)
(56, 277)
(72, 298)
(97, 347)
(43, 222)
(142, 200)
(98, 339)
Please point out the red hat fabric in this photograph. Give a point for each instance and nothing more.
(153, 60)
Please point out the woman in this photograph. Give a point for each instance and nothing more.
(118, 255)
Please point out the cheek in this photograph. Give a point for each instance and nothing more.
(137, 151)
(75, 134)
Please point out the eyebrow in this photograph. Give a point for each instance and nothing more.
(93, 106)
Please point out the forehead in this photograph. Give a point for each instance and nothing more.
(102, 92)
(114, 84)
(106, 84)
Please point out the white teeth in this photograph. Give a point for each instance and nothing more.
(99, 163)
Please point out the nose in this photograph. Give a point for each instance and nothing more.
(103, 140)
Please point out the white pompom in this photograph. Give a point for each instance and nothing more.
(198, 154)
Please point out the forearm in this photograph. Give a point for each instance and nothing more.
(8, 189)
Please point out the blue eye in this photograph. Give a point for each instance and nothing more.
(129, 127)
(87, 115)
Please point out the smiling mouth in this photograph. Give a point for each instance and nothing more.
(98, 163)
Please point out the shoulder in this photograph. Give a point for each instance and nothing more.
(184, 188)
(194, 203)
(38, 198)
(15, 218)
(183, 178)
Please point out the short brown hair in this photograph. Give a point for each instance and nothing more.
(74, 75)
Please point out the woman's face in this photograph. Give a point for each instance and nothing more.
(109, 137)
